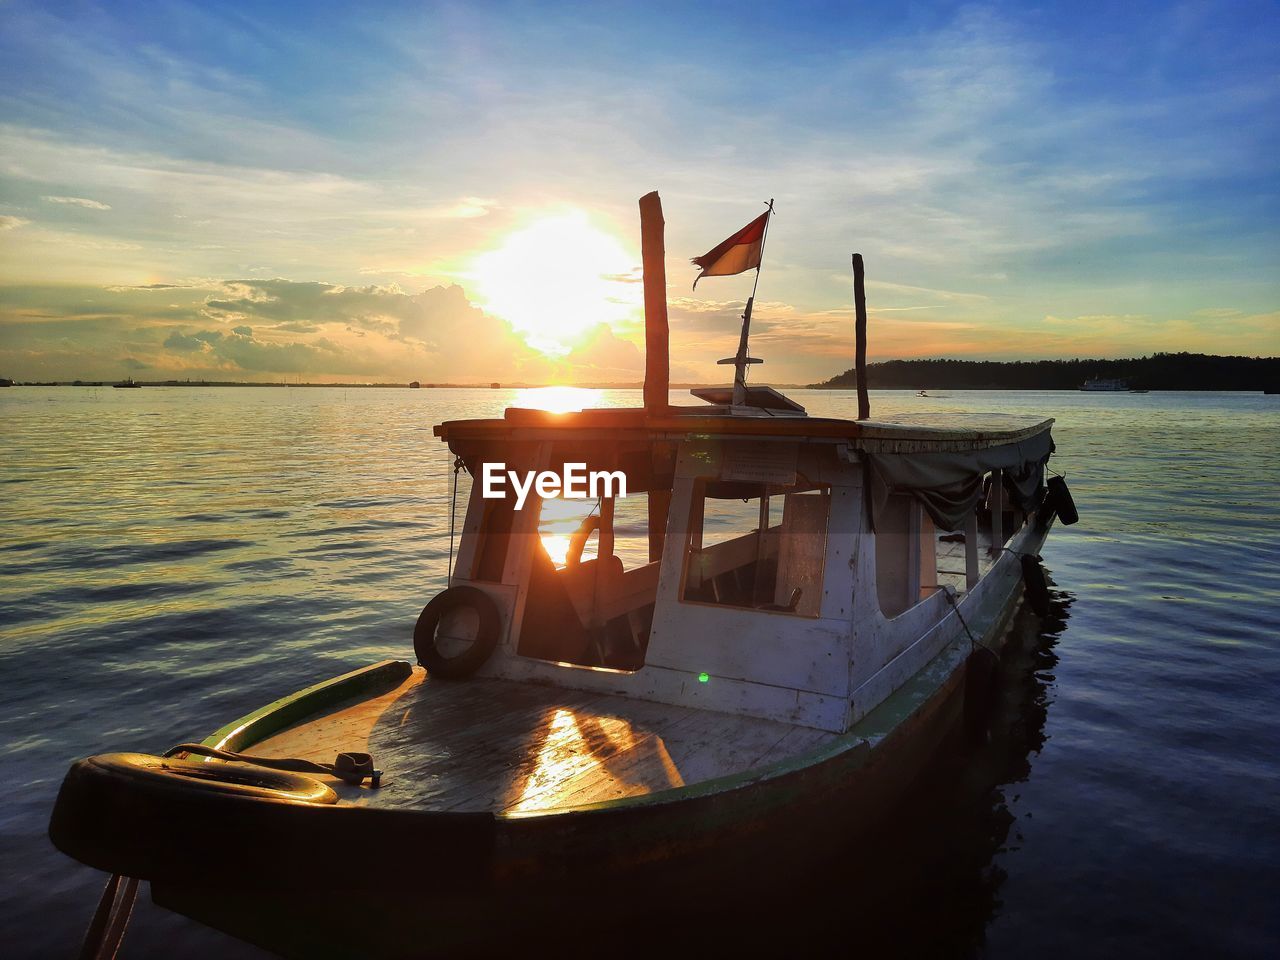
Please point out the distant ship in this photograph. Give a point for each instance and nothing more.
(1106, 386)
(127, 384)
(5, 382)
(415, 385)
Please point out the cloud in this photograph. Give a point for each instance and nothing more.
(604, 356)
(10, 222)
(79, 202)
(464, 209)
(202, 341)
(1094, 319)
(117, 288)
(270, 329)
(256, 356)
(304, 307)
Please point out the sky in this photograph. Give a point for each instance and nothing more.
(448, 192)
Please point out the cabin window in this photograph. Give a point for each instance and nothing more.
(757, 547)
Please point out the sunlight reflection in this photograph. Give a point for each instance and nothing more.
(558, 399)
(557, 547)
(560, 519)
(563, 742)
(584, 758)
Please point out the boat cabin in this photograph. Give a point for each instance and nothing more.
(767, 566)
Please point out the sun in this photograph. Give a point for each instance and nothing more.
(556, 279)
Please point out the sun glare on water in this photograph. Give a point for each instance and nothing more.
(558, 399)
(556, 279)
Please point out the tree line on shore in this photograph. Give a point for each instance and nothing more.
(1160, 371)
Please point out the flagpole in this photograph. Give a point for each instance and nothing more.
(764, 238)
(741, 360)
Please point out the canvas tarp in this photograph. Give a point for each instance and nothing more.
(949, 484)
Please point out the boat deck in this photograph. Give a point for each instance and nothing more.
(504, 746)
(951, 560)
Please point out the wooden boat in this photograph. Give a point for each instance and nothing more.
(613, 734)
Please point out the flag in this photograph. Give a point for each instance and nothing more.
(739, 253)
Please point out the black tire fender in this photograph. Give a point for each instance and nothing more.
(1063, 503)
(1035, 585)
(469, 661)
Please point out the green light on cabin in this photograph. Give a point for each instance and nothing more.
(704, 677)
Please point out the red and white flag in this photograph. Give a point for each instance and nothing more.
(739, 253)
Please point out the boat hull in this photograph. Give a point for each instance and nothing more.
(303, 879)
(439, 895)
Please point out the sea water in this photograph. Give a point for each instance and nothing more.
(172, 558)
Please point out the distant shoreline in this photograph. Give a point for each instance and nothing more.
(1160, 371)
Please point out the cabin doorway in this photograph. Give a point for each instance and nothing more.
(592, 587)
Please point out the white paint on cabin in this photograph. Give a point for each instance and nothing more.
(870, 613)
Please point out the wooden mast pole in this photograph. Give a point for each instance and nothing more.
(657, 366)
(860, 336)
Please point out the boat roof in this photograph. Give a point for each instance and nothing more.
(915, 433)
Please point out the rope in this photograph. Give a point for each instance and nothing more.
(353, 768)
(453, 512)
(974, 642)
